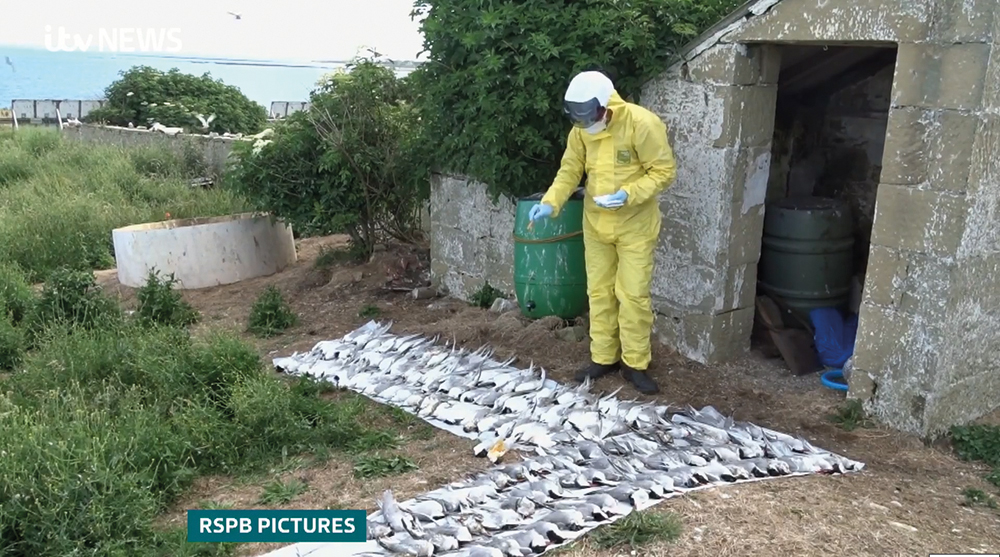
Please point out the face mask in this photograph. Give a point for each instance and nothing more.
(596, 128)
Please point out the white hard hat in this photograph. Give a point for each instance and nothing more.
(590, 85)
(586, 98)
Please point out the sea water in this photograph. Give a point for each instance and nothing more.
(42, 74)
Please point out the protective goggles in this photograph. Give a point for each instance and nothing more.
(584, 114)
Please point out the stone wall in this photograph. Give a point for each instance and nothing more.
(719, 112)
(214, 150)
(928, 334)
(471, 237)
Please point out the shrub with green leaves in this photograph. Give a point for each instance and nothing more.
(70, 298)
(160, 304)
(353, 162)
(492, 88)
(270, 314)
(144, 95)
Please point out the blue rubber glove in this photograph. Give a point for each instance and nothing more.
(612, 201)
(540, 211)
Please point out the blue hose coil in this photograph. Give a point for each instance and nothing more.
(834, 379)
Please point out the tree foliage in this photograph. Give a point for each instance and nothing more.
(491, 92)
(144, 95)
(352, 162)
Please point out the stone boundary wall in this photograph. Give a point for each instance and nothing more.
(471, 237)
(215, 150)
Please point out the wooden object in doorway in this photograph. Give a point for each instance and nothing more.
(796, 346)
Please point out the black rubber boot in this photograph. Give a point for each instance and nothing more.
(641, 380)
(595, 371)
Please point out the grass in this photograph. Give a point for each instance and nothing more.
(375, 466)
(974, 497)
(107, 420)
(60, 199)
(369, 311)
(281, 493)
(637, 529)
(851, 416)
(270, 314)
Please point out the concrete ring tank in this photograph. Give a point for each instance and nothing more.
(203, 252)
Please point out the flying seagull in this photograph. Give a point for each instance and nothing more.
(10, 63)
(237, 16)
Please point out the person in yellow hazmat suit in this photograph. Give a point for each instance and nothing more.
(624, 151)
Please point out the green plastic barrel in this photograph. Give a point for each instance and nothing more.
(806, 255)
(550, 274)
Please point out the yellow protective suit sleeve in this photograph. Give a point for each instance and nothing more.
(570, 173)
(656, 156)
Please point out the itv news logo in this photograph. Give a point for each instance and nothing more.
(283, 526)
(124, 39)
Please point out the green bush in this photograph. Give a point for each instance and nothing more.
(353, 162)
(144, 95)
(160, 304)
(270, 314)
(69, 297)
(492, 88)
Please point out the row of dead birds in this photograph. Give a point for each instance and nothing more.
(597, 458)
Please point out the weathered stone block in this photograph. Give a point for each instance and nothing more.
(961, 402)
(873, 345)
(962, 21)
(901, 354)
(745, 234)
(919, 220)
(705, 338)
(938, 76)
(924, 291)
(991, 87)
(982, 235)
(884, 278)
(736, 64)
(949, 150)
(821, 20)
(741, 287)
(929, 146)
(973, 324)
(748, 120)
(904, 157)
(751, 173)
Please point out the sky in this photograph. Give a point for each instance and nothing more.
(268, 29)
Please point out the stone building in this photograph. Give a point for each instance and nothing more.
(890, 105)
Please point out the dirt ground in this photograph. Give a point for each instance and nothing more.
(907, 502)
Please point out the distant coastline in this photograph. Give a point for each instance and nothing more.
(39, 73)
(262, 62)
